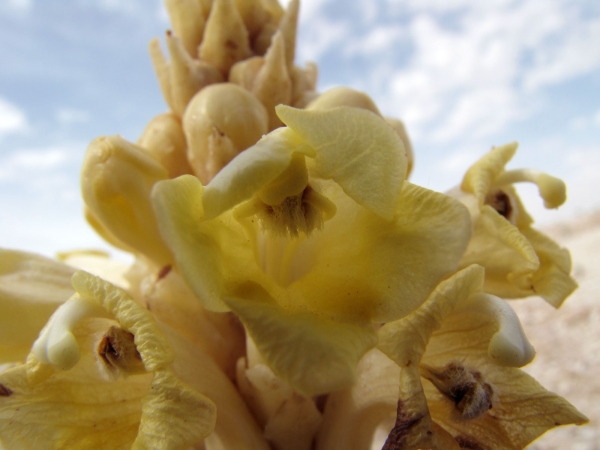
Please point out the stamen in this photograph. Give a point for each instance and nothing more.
(467, 388)
(56, 344)
(500, 201)
(552, 189)
(118, 353)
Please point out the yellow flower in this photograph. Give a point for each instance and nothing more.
(519, 260)
(310, 236)
(457, 355)
(70, 392)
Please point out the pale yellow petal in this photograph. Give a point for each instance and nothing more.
(355, 148)
(364, 266)
(522, 411)
(315, 355)
(552, 281)
(31, 288)
(251, 170)
(78, 408)
(481, 175)
(405, 340)
(211, 254)
(508, 257)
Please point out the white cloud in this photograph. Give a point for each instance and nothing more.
(17, 6)
(26, 163)
(68, 116)
(318, 35)
(475, 72)
(12, 119)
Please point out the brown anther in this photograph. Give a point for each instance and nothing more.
(500, 201)
(4, 391)
(471, 394)
(118, 352)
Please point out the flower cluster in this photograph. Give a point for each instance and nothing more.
(291, 290)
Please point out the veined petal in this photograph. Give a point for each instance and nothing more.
(211, 254)
(143, 410)
(77, 408)
(479, 178)
(365, 267)
(552, 280)
(314, 354)
(357, 149)
(509, 258)
(252, 169)
(522, 409)
(31, 288)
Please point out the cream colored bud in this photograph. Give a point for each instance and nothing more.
(221, 121)
(165, 140)
(273, 85)
(274, 9)
(225, 37)
(254, 15)
(244, 72)
(188, 19)
(400, 129)
(288, 27)
(116, 181)
(303, 80)
(343, 96)
(187, 75)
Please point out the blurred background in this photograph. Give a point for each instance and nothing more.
(463, 75)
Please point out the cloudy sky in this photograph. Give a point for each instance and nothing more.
(463, 74)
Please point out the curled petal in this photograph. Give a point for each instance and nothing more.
(251, 170)
(509, 345)
(355, 148)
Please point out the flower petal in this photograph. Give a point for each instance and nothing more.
(252, 169)
(31, 288)
(211, 254)
(364, 266)
(479, 178)
(355, 148)
(315, 355)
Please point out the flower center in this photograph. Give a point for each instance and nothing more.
(471, 394)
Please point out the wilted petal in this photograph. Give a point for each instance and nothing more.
(31, 288)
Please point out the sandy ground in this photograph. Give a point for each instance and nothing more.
(568, 340)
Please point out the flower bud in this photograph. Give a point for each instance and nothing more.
(225, 37)
(116, 181)
(164, 139)
(221, 121)
(188, 20)
(343, 96)
(273, 85)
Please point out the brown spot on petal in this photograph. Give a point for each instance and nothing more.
(405, 422)
(4, 391)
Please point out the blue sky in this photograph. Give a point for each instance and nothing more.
(463, 75)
